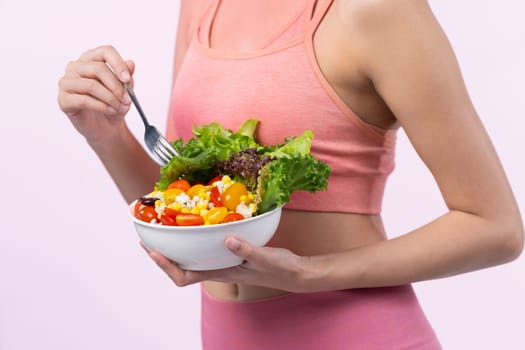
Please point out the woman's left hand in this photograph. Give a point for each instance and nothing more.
(263, 266)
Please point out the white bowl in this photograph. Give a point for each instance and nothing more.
(202, 247)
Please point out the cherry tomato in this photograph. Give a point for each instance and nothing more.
(231, 217)
(138, 205)
(215, 179)
(143, 202)
(182, 184)
(215, 196)
(168, 220)
(231, 196)
(171, 212)
(147, 213)
(189, 220)
(169, 217)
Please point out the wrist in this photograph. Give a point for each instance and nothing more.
(112, 140)
(313, 273)
(328, 272)
(131, 168)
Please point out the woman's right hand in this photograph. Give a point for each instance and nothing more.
(92, 95)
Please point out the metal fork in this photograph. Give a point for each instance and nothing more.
(158, 147)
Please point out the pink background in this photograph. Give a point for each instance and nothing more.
(72, 275)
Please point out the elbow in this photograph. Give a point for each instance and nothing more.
(518, 243)
(511, 241)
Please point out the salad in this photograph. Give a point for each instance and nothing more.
(223, 176)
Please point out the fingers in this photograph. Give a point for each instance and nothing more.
(108, 55)
(184, 277)
(94, 82)
(98, 75)
(82, 93)
(264, 266)
(180, 277)
(171, 269)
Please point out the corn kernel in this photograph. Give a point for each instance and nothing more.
(202, 205)
(226, 179)
(194, 211)
(175, 206)
(243, 198)
(185, 210)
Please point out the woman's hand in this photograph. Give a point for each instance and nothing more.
(263, 266)
(92, 95)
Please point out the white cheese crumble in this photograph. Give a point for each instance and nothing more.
(244, 210)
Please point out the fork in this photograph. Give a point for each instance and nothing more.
(158, 147)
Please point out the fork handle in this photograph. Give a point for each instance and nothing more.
(137, 104)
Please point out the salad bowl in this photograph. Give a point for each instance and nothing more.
(203, 247)
(256, 181)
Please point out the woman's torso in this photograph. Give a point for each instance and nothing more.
(306, 232)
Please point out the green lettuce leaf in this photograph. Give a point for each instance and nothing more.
(282, 176)
(294, 146)
(199, 155)
(285, 168)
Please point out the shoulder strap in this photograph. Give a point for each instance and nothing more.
(206, 21)
(318, 9)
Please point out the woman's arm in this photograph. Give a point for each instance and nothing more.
(410, 62)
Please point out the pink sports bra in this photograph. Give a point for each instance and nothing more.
(282, 86)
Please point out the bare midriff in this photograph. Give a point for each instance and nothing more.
(307, 234)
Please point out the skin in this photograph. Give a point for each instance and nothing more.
(391, 62)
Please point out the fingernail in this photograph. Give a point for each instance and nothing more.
(233, 244)
(124, 76)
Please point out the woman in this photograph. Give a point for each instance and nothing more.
(352, 71)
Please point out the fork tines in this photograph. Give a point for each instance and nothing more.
(164, 150)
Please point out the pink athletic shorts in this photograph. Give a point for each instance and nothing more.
(360, 319)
